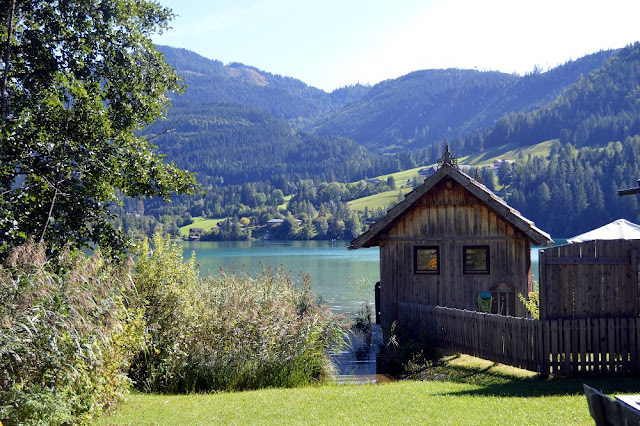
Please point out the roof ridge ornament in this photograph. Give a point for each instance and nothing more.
(448, 159)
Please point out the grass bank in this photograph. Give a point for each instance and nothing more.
(464, 391)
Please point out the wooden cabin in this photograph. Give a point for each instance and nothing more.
(452, 242)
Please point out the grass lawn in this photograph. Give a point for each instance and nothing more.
(466, 391)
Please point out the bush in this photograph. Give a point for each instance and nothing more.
(68, 331)
(232, 331)
(532, 303)
(406, 354)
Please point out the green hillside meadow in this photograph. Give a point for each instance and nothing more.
(485, 159)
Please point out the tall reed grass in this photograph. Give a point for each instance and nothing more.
(77, 330)
(231, 331)
(69, 328)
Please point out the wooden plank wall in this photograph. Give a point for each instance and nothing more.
(451, 218)
(590, 279)
(565, 347)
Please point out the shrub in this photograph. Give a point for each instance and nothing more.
(68, 331)
(532, 303)
(407, 354)
(231, 331)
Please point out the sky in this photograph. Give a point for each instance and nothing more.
(334, 43)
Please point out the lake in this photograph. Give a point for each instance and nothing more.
(343, 278)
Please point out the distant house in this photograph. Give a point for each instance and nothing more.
(498, 163)
(428, 172)
(451, 242)
(274, 222)
(195, 233)
(373, 180)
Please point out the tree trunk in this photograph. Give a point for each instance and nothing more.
(7, 56)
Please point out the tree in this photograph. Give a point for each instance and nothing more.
(276, 198)
(391, 183)
(352, 226)
(79, 80)
(321, 226)
(489, 178)
(504, 172)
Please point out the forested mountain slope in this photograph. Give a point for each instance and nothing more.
(210, 81)
(427, 106)
(236, 123)
(245, 131)
(599, 107)
(228, 143)
(576, 190)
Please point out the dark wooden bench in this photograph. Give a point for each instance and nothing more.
(607, 411)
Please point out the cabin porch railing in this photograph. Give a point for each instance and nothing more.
(565, 347)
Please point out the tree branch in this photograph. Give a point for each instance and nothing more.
(59, 179)
(7, 57)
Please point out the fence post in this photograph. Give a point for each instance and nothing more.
(542, 293)
(376, 291)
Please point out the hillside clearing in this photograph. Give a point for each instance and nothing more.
(200, 222)
(506, 152)
(382, 200)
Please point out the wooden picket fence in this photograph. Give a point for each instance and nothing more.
(566, 347)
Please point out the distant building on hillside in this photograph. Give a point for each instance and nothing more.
(428, 172)
(195, 233)
(497, 163)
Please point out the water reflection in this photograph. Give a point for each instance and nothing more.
(357, 364)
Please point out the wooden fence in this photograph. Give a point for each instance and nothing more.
(592, 279)
(565, 347)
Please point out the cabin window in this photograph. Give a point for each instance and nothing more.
(426, 260)
(476, 260)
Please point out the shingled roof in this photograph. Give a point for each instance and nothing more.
(372, 237)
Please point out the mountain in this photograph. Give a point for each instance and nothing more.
(285, 98)
(597, 108)
(428, 106)
(228, 143)
(236, 123)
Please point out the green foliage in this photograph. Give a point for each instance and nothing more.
(69, 328)
(232, 144)
(408, 352)
(82, 78)
(489, 178)
(391, 183)
(230, 331)
(532, 303)
(598, 107)
(576, 190)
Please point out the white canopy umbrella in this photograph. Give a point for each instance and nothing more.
(620, 229)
